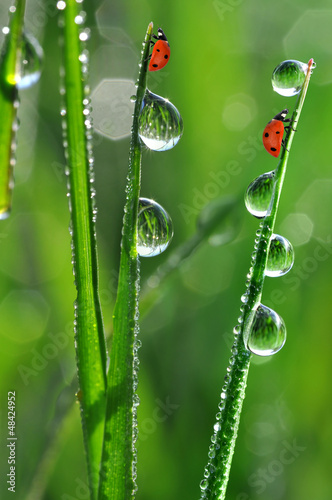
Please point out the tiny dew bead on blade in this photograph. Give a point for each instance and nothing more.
(160, 52)
(273, 133)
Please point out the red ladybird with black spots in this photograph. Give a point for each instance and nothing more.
(273, 133)
(160, 52)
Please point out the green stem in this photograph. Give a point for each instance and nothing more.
(214, 485)
(10, 58)
(90, 339)
(117, 479)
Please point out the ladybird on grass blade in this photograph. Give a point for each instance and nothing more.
(273, 133)
(160, 53)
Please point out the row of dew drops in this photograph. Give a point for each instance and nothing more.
(160, 129)
(268, 332)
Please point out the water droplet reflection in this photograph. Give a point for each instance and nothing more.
(160, 123)
(28, 68)
(268, 332)
(155, 228)
(280, 258)
(259, 194)
(288, 77)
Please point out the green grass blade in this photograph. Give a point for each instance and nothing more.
(90, 340)
(213, 487)
(8, 105)
(117, 476)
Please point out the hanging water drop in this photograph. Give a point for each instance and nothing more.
(160, 123)
(259, 194)
(155, 228)
(28, 68)
(268, 332)
(280, 258)
(288, 77)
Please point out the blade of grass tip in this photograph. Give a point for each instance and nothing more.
(10, 56)
(214, 484)
(90, 338)
(117, 478)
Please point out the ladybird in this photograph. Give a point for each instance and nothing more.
(160, 53)
(273, 133)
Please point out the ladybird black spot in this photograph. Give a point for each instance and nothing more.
(266, 134)
(165, 56)
(155, 65)
(277, 132)
(273, 149)
(158, 50)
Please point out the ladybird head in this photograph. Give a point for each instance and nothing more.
(161, 35)
(281, 116)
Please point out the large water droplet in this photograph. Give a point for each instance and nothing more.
(259, 193)
(155, 228)
(280, 258)
(160, 123)
(268, 332)
(288, 77)
(28, 67)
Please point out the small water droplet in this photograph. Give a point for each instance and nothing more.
(280, 258)
(288, 77)
(217, 427)
(160, 123)
(61, 5)
(155, 228)
(84, 35)
(268, 332)
(28, 69)
(203, 484)
(259, 193)
(80, 18)
(133, 98)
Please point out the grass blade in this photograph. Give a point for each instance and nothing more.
(90, 340)
(8, 105)
(117, 470)
(221, 451)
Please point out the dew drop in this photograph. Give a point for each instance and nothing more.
(217, 427)
(28, 69)
(280, 258)
(160, 123)
(84, 35)
(259, 194)
(268, 332)
(203, 484)
(155, 228)
(288, 77)
(61, 5)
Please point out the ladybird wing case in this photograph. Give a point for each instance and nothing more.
(160, 55)
(272, 137)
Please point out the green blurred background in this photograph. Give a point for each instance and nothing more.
(222, 58)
